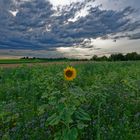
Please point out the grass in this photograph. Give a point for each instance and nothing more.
(108, 92)
(19, 61)
(36, 60)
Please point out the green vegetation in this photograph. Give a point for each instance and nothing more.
(102, 103)
(36, 60)
(118, 57)
(17, 61)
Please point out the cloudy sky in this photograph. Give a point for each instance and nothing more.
(68, 28)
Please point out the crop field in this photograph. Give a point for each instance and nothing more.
(17, 61)
(35, 60)
(101, 102)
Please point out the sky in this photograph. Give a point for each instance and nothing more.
(68, 28)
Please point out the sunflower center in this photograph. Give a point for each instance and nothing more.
(69, 73)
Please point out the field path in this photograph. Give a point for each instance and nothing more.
(42, 64)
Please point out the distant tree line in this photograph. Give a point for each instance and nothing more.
(118, 57)
(112, 57)
(53, 59)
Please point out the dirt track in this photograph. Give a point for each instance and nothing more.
(42, 64)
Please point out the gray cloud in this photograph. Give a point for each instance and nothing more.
(135, 36)
(38, 26)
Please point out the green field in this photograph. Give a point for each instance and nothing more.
(17, 61)
(102, 103)
(37, 60)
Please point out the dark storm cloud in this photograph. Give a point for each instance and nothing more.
(28, 29)
(34, 13)
(98, 23)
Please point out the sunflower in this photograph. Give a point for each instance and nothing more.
(70, 73)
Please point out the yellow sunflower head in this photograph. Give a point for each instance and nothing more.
(70, 73)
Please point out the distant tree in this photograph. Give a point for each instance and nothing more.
(117, 57)
(22, 58)
(138, 58)
(132, 56)
(95, 57)
(103, 58)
